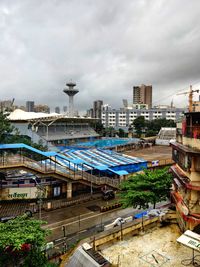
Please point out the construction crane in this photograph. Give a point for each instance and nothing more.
(190, 108)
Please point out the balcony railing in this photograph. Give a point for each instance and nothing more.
(192, 132)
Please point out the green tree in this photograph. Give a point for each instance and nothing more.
(5, 127)
(150, 186)
(154, 126)
(121, 132)
(99, 128)
(139, 125)
(21, 242)
(109, 132)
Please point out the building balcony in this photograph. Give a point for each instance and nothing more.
(181, 180)
(191, 132)
(192, 219)
(189, 146)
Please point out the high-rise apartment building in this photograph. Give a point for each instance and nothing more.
(89, 113)
(97, 109)
(30, 106)
(57, 110)
(142, 95)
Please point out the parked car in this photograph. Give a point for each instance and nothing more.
(118, 221)
(108, 194)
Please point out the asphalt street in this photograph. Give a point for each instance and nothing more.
(79, 219)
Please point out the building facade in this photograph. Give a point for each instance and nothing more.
(57, 110)
(65, 109)
(122, 118)
(186, 171)
(142, 95)
(97, 109)
(30, 106)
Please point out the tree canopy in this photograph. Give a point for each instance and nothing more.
(5, 127)
(139, 125)
(150, 186)
(21, 241)
(152, 127)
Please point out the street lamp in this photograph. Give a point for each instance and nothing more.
(40, 195)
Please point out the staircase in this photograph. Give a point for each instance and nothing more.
(55, 170)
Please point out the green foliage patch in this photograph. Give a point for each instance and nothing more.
(150, 186)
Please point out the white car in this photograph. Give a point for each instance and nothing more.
(154, 212)
(118, 221)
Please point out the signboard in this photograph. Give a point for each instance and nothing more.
(22, 193)
(190, 239)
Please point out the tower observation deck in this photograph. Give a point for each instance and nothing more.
(71, 92)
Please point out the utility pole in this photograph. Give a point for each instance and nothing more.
(121, 230)
(40, 195)
(79, 225)
(64, 230)
(91, 189)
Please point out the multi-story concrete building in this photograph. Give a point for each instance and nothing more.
(122, 118)
(97, 109)
(186, 154)
(65, 109)
(142, 95)
(57, 110)
(30, 106)
(90, 113)
(95, 112)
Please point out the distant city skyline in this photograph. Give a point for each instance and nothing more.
(105, 49)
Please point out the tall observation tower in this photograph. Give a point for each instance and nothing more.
(71, 92)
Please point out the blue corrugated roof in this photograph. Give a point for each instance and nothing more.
(9, 146)
(21, 145)
(119, 172)
(73, 160)
(101, 168)
(119, 169)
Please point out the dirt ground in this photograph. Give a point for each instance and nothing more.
(153, 153)
(155, 248)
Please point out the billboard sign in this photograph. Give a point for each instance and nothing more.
(190, 239)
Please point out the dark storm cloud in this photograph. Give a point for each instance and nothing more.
(105, 46)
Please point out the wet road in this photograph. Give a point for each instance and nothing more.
(70, 221)
(82, 223)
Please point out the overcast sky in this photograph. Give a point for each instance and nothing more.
(105, 46)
